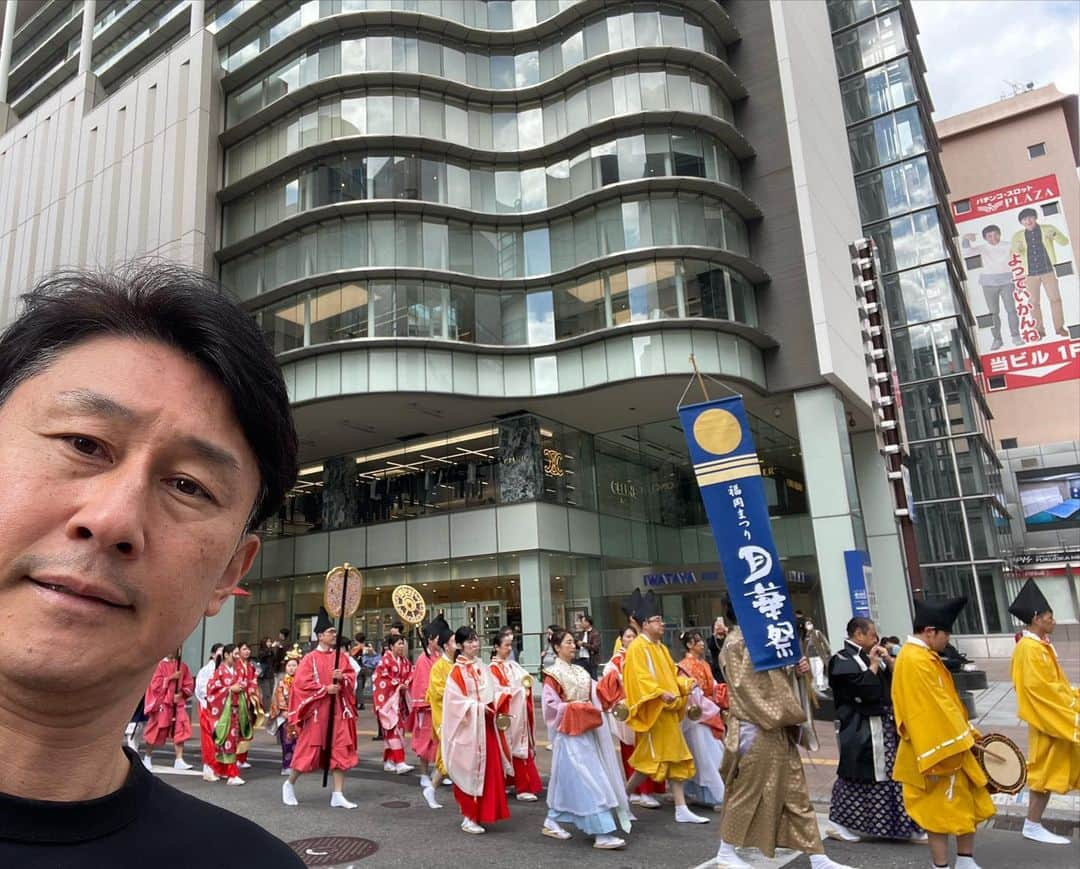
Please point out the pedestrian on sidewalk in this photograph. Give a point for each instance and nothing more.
(1051, 707)
(865, 799)
(944, 786)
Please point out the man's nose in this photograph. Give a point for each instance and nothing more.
(113, 512)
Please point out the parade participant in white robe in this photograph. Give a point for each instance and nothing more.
(705, 732)
(586, 787)
(512, 680)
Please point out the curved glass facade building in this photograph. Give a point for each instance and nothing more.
(485, 239)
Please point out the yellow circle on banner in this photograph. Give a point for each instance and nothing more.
(717, 431)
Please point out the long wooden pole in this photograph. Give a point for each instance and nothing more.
(337, 663)
(700, 379)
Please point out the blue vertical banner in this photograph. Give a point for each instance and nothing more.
(857, 563)
(729, 476)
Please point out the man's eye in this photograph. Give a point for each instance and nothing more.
(189, 487)
(84, 445)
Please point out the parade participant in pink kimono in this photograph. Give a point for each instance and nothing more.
(389, 686)
(424, 742)
(228, 695)
(165, 706)
(512, 681)
(316, 688)
(475, 753)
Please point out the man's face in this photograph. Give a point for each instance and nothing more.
(127, 486)
(654, 627)
(866, 640)
(992, 237)
(328, 637)
(938, 640)
(1044, 622)
(1029, 222)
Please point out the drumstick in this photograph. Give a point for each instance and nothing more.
(986, 750)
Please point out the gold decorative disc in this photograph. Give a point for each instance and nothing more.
(717, 431)
(409, 604)
(341, 597)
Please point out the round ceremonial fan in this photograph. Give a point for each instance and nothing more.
(409, 604)
(344, 588)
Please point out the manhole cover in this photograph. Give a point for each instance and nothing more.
(328, 850)
(395, 804)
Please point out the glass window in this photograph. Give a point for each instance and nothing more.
(353, 55)
(461, 247)
(380, 114)
(380, 53)
(436, 244)
(430, 57)
(458, 185)
(508, 192)
(541, 317)
(585, 246)
(527, 69)
(483, 189)
(353, 116)
(502, 71)
(691, 220)
(384, 317)
(573, 50)
(663, 213)
(601, 102)
(514, 322)
(678, 89)
(657, 155)
(653, 90)
(461, 315)
(605, 163)
(457, 123)
(554, 109)
(596, 37)
(354, 243)
(577, 110)
(486, 253)
(530, 123)
(453, 64)
(383, 246)
(609, 223)
(647, 27)
(533, 189)
(488, 306)
(283, 325)
(706, 295)
(537, 251)
(687, 155)
(579, 307)
(631, 157)
(432, 115)
(480, 128)
(562, 244)
(558, 182)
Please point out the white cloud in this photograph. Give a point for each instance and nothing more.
(975, 48)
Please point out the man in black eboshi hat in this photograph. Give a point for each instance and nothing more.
(944, 786)
(1051, 707)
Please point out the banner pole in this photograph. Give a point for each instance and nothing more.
(700, 379)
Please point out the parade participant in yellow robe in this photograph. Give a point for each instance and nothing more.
(436, 690)
(944, 786)
(1051, 707)
(656, 698)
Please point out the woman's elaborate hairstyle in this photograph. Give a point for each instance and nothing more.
(689, 637)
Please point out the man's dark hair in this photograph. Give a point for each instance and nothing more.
(1027, 212)
(585, 617)
(360, 638)
(284, 632)
(214, 648)
(918, 627)
(180, 308)
(228, 648)
(397, 627)
(858, 624)
(993, 227)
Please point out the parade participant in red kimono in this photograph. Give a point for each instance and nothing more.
(389, 686)
(255, 701)
(512, 681)
(228, 693)
(279, 710)
(318, 686)
(424, 742)
(165, 706)
(475, 753)
(206, 725)
(611, 692)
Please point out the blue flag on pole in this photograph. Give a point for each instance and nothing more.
(729, 476)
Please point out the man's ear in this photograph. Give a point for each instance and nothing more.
(235, 571)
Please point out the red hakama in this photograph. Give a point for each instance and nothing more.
(491, 805)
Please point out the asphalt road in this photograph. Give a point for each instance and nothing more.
(405, 833)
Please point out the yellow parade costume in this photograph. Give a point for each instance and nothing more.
(660, 751)
(1051, 707)
(440, 670)
(944, 786)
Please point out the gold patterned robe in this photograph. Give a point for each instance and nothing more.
(767, 803)
(944, 786)
(660, 751)
(1051, 707)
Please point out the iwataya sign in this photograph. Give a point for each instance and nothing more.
(1023, 286)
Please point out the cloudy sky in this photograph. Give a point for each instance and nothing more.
(973, 46)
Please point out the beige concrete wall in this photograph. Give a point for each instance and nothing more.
(995, 156)
(86, 181)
